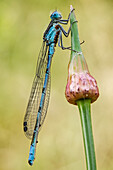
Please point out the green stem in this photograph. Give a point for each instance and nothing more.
(75, 42)
(74, 34)
(85, 116)
(83, 104)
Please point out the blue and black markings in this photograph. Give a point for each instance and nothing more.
(35, 113)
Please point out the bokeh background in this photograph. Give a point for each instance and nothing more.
(22, 23)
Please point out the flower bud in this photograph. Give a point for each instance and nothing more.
(80, 84)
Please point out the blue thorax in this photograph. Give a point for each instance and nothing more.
(52, 32)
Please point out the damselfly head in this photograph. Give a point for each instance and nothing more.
(55, 15)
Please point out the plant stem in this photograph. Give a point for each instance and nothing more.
(85, 116)
(75, 42)
(83, 104)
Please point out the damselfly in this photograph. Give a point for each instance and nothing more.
(40, 92)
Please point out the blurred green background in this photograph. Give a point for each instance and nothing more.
(22, 23)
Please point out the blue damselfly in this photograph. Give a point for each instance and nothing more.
(40, 92)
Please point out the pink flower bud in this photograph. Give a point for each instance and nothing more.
(80, 84)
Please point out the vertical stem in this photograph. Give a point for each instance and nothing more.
(85, 116)
(75, 42)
